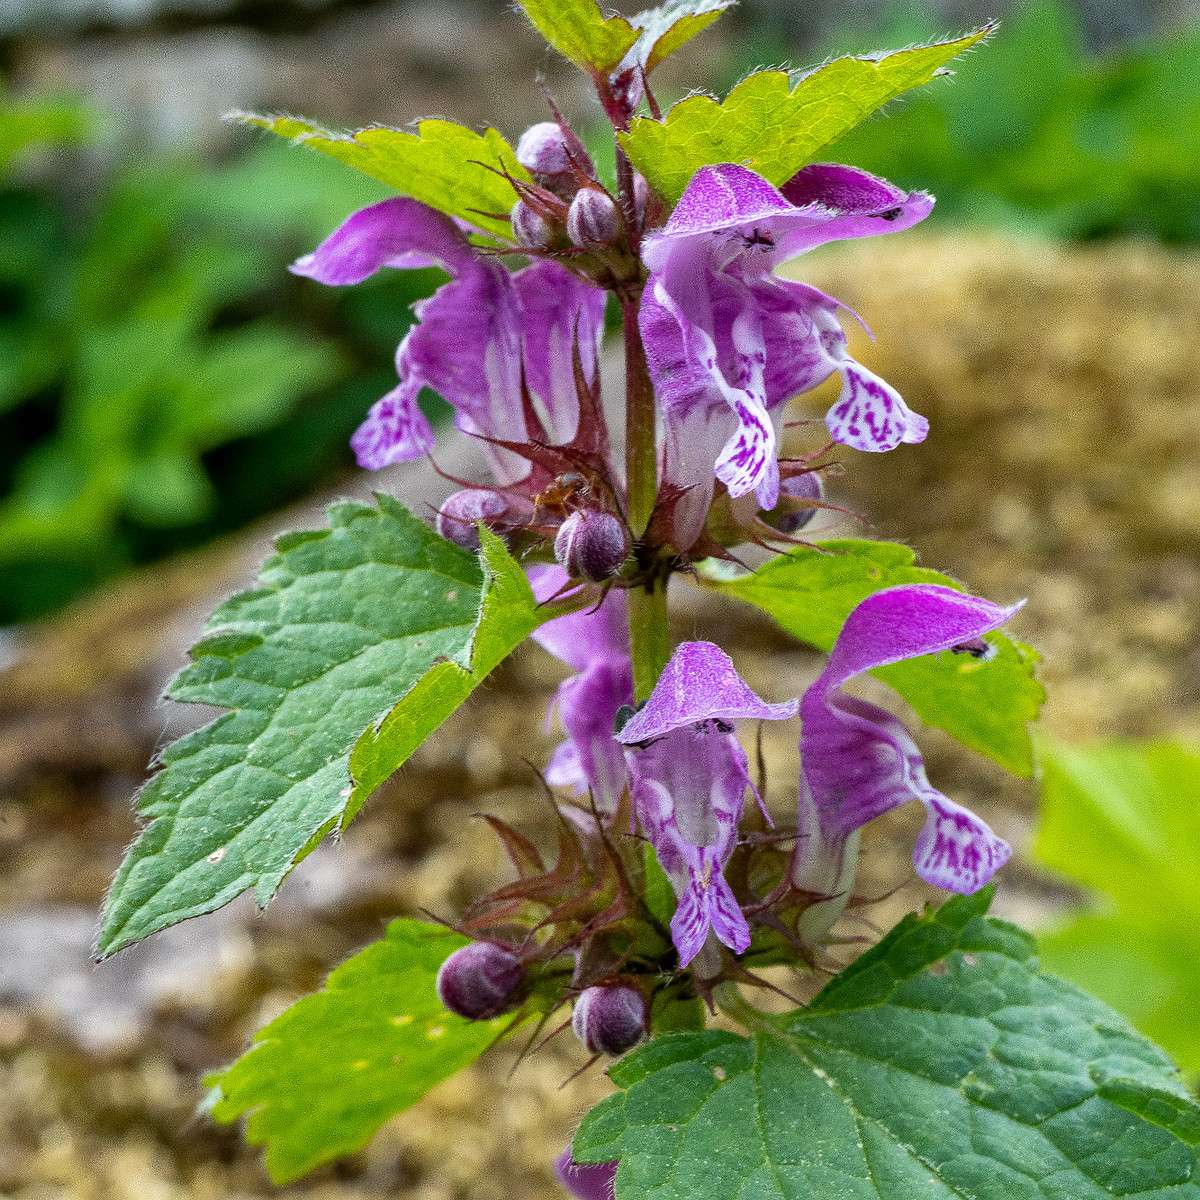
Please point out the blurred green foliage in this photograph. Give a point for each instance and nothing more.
(162, 378)
(1033, 132)
(1123, 820)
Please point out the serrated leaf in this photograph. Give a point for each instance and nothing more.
(324, 1076)
(665, 28)
(443, 164)
(774, 122)
(508, 615)
(349, 621)
(579, 30)
(1124, 820)
(942, 1064)
(985, 705)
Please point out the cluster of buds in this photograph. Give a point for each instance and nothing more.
(567, 213)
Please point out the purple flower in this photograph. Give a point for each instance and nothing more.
(858, 761)
(585, 1182)
(689, 785)
(729, 343)
(473, 335)
(596, 645)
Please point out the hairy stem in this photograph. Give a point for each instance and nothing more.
(640, 464)
(649, 638)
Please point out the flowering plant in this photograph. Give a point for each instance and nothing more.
(942, 1062)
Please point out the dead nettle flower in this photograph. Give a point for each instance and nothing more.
(858, 761)
(480, 980)
(609, 1019)
(592, 544)
(728, 342)
(689, 785)
(479, 341)
(459, 517)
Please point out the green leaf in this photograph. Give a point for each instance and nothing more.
(580, 31)
(443, 165)
(774, 122)
(347, 621)
(665, 28)
(985, 705)
(508, 614)
(321, 1078)
(1124, 820)
(942, 1064)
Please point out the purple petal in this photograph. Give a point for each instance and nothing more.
(396, 430)
(955, 850)
(869, 413)
(700, 683)
(859, 761)
(393, 233)
(587, 705)
(904, 622)
(583, 1181)
(580, 638)
(722, 197)
(554, 303)
(841, 188)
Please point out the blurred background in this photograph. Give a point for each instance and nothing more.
(170, 397)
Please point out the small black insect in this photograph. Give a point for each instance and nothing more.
(890, 215)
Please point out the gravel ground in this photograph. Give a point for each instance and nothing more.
(1063, 466)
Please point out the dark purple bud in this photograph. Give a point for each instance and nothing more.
(480, 980)
(591, 545)
(593, 220)
(798, 487)
(609, 1020)
(457, 519)
(542, 150)
(585, 1182)
(530, 228)
(551, 157)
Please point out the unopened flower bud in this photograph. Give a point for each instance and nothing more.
(542, 150)
(591, 545)
(530, 228)
(799, 487)
(457, 519)
(609, 1020)
(593, 220)
(480, 980)
(545, 152)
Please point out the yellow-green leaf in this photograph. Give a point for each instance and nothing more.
(443, 164)
(773, 122)
(579, 31)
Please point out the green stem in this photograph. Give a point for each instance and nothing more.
(641, 468)
(649, 637)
